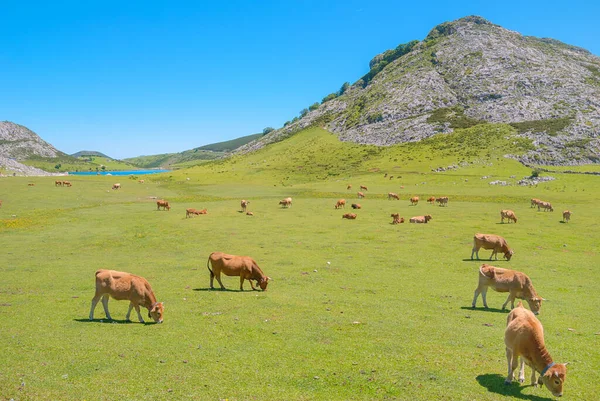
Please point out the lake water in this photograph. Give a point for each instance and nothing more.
(124, 172)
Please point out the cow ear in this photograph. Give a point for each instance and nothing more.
(566, 363)
(269, 278)
(543, 299)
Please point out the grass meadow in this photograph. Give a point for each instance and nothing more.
(357, 310)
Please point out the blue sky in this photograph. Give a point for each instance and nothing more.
(147, 77)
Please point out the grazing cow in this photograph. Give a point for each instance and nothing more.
(443, 200)
(190, 211)
(414, 200)
(66, 183)
(349, 186)
(534, 202)
(524, 337)
(244, 204)
(249, 214)
(287, 202)
(566, 215)
(126, 286)
(392, 195)
(116, 186)
(431, 200)
(491, 241)
(349, 216)
(363, 188)
(0, 202)
(507, 214)
(517, 284)
(340, 203)
(397, 218)
(547, 206)
(420, 219)
(356, 206)
(141, 181)
(391, 176)
(31, 185)
(164, 204)
(360, 195)
(231, 265)
(58, 183)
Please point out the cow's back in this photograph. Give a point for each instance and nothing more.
(120, 285)
(523, 330)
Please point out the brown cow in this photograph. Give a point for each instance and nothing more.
(392, 195)
(356, 206)
(287, 202)
(141, 181)
(31, 185)
(58, 183)
(198, 212)
(547, 206)
(189, 211)
(414, 200)
(363, 188)
(231, 265)
(249, 214)
(164, 204)
(397, 218)
(517, 284)
(566, 215)
(244, 203)
(349, 186)
(491, 241)
(126, 286)
(534, 202)
(431, 200)
(360, 195)
(66, 183)
(116, 186)
(0, 202)
(443, 200)
(340, 203)
(420, 219)
(507, 214)
(349, 216)
(524, 337)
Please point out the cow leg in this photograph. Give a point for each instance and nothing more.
(252, 285)
(509, 299)
(129, 312)
(484, 296)
(218, 276)
(105, 305)
(94, 303)
(494, 252)
(242, 282)
(534, 383)
(137, 309)
(477, 292)
(212, 279)
(522, 372)
(511, 366)
(476, 252)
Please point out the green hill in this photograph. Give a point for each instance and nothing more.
(83, 153)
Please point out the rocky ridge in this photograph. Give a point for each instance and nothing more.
(469, 72)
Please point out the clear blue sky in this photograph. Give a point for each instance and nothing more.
(132, 78)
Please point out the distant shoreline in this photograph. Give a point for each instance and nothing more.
(122, 172)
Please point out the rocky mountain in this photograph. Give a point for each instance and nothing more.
(464, 73)
(18, 143)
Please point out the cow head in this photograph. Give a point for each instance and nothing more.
(156, 313)
(263, 282)
(427, 217)
(535, 304)
(509, 254)
(554, 379)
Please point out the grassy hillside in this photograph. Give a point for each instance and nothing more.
(356, 310)
(69, 163)
(228, 146)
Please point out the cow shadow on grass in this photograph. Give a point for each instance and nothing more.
(495, 384)
(485, 260)
(218, 290)
(482, 309)
(115, 321)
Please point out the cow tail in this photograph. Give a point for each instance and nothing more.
(208, 266)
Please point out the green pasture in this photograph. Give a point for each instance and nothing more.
(357, 310)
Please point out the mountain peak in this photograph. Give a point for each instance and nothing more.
(448, 28)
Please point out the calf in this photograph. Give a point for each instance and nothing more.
(349, 216)
(164, 204)
(491, 241)
(126, 286)
(396, 218)
(414, 200)
(431, 200)
(356, 206)
(566, 215)
(524, 337)
(392, 195)
(420, 219)
(340, 203)
(231, 265)
(517, 284)
(507, 214)
(244, 203)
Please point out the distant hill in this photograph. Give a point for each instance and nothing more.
(192, 156)
(83, 153)
(466, 73)
(19, 143)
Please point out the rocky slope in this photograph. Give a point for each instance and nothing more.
(18, 143)
(465, 73)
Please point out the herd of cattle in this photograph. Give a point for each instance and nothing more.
(523, 338)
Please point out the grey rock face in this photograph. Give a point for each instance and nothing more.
(490, 73)
(18, 142)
